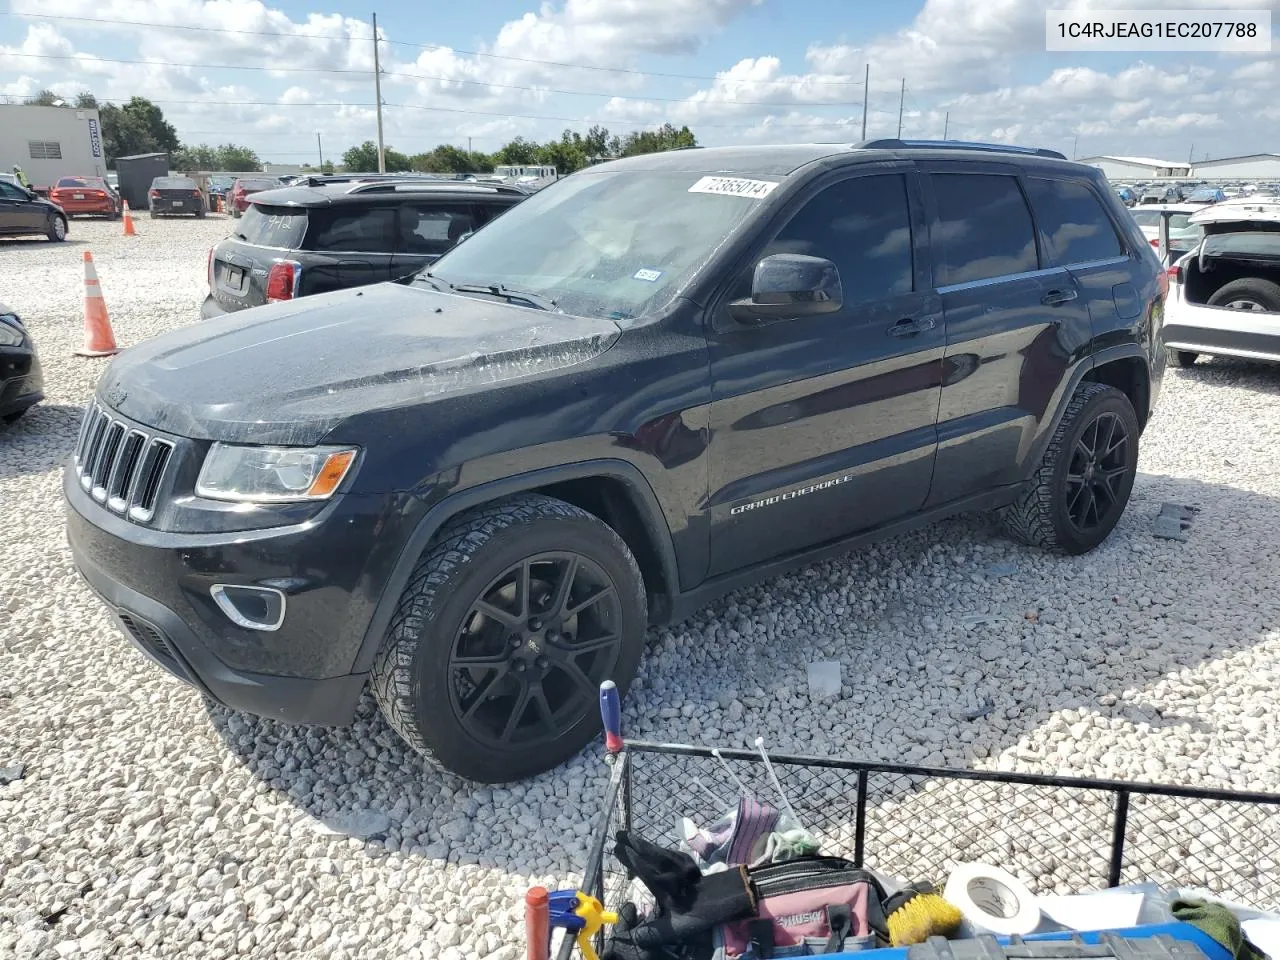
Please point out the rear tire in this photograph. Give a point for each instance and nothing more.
(1081, 488)
(478, 670)
(1248, 293)
(11, 418)
(56, 229)
(1181, 358)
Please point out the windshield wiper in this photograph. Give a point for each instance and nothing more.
(427, 277)
(499, 290)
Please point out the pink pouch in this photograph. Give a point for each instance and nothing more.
(810, 906)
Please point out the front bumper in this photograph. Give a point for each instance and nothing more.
(157, 585)
(1222, 332)
(21, 379)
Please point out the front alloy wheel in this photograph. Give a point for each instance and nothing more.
(533, 650)
(512, 618)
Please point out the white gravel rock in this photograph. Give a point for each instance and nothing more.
(161, 826)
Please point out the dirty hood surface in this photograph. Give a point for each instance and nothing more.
(289, 372)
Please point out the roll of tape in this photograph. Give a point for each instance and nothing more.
(992, 900)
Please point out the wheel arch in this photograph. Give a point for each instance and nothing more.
(1131, 376)
(613, 490)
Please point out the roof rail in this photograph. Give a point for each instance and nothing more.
(891, 143)
(407, 183)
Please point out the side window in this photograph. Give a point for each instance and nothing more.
(431, 228)
(11, 192)
(1077, 226)
(984, 228)
(863, 226)
(353, 230)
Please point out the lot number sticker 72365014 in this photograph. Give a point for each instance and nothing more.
(734, 187)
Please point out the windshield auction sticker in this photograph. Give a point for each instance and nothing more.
(734, 187)
(1207, 30)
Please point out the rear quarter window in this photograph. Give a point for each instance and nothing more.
(1073, 221)
(264, 226)
(351, 229)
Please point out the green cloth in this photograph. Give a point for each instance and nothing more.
(1220, 923)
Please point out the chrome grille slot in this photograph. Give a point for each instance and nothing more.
(93, 444)
(125, 473)
(120, 465)
(111, 438)
(154, 463)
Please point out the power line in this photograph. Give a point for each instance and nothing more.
(420, 46)
(487, 113)
(409, 76)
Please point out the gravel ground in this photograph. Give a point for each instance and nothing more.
(149, 825)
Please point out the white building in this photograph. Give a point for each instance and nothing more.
(1255, 166)
(1137, 168)
(51, 142)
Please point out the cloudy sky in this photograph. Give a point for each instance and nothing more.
(272, 74)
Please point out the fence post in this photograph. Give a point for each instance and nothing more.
(1117, 838)
(860, 819)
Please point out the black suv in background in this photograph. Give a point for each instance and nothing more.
(652, 382)
(334, 234)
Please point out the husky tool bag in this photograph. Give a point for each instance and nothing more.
(807, 907)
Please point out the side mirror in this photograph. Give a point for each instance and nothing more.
(790, 285)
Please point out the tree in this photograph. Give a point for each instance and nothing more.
(361, 159)
(665, 137)
(45, 98)
(137, 127)
(229, 157)
(446, 158)
(237, 159)
(396, 162)
(518, 151)
(86, 101)
(326, 168)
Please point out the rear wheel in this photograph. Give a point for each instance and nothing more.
(1078, 494)
(1252, 294)
(56, 229)
(1181, 358)
(492, 664)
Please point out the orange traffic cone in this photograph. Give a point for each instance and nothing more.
(99, 341)
(129, 231)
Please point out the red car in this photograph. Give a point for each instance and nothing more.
(85, 195)
(242, 189)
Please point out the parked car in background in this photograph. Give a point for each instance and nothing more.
(1182, 235)
(21, 379)
(1206, 195)
(300, 240)
(23, 212)
(81, 195)
(653, 382)
(1225, 294)
(1127, 196)
(1161, 194)
(244, 188)
(175, 195)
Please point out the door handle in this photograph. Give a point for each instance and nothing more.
(1056, 297)
(909, 327)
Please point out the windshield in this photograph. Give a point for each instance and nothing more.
(272, 226)
(259, 184)
(173, 183)
(1147, 218)
(80, 182)
(616, 244)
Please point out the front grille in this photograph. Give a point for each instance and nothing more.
(119, 465)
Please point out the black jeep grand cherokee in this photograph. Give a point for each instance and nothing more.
(654, 381)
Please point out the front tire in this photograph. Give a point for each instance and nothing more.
(1081, 488)
(1181, 358)
(509, 623)
(57, 229)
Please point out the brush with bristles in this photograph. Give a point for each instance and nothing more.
(917, 913)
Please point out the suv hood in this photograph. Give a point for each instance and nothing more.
(288, 373)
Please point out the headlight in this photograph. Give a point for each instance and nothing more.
(11, 334)
(273, 474)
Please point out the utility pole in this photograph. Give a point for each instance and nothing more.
(1074, 141)
(866, 88)
(377, 92)
(946, 124)
(902, 98)
(320, 150)
(1191, 154)
(468, 148)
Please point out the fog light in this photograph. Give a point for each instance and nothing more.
(254, 608)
